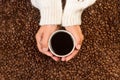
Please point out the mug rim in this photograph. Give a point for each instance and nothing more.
(49, 43)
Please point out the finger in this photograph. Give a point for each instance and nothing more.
(39, 47)
(52, 56)
(55, 58)
(48, 53)
(38, 36)
(44, 41)
(38, 39)
(78, 46)
(63, 59)
(72, 55)
(79, 42)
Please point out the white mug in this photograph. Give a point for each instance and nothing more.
(62, 42)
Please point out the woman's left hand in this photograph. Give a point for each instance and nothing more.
(77, 33)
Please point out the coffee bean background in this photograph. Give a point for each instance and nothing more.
(98, 59)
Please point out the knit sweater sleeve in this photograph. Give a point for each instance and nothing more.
(51, 11)
(73, 11)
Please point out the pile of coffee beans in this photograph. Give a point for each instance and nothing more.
(98, 59)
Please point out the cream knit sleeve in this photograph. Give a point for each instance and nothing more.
(51, 11)
(73, 11)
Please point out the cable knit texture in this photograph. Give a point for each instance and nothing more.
(51, 11)
(73, 11)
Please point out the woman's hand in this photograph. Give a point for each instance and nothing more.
(42, 38)
(77, 33)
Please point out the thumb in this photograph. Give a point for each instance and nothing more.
(79, 42)
(78, 46)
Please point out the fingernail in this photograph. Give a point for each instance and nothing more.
(55, 58)
(78, 46)
(63, 59)
(45, 49)
(49, 54)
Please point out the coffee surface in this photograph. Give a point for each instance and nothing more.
(62, 43)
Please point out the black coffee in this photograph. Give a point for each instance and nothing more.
(62, 43)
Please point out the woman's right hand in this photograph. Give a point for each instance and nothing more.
(42, 38)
